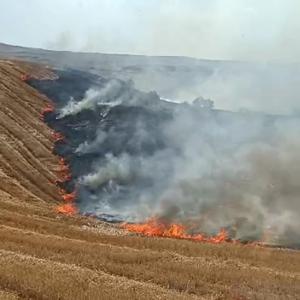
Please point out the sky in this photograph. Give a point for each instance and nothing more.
(251, 30)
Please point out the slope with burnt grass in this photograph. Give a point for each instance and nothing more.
(44, 255)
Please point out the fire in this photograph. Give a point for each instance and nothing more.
(62, 162)
(25, 77)
(64, 171)
(158, 228)
(48, 109)
(67, 209)
(57, 136)
(69, 197)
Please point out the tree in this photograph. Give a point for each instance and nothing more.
(204, 103)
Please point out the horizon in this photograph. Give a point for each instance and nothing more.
(155, 56)
(225, 30)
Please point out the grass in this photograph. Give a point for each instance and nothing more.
(206, 274)
(38, 279)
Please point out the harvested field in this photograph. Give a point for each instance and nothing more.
(44, 255)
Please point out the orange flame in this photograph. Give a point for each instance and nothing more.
(70, 197)
(47, 109)
(64, 171)
(67, 209)
(155, 227)
(57, 136)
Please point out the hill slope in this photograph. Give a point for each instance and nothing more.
(268, 87)
(48, 256)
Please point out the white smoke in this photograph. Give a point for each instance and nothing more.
(94, 97)
(190, 164)
(88, 147)
(227, 171)
(115, 168)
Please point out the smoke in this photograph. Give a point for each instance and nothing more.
(112, 93)
(234, 30)
(234, 172)
(270, 88)
(188, 163)
(231, 29)
(109, 95)
(191, 164)
(90, 147)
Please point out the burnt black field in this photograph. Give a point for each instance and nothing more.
(119, 121)
(133, 155)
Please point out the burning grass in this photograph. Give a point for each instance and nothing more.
(48, 109)
(160, 228)
(207, 276)
(67, 209)
(211, 271)
(57, 136)
(64, 172)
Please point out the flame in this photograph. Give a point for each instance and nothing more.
(64, 171)
(67, 209)
(57, 136)
(65, 174)
(158, 228)
(25, 77)
(48, 109)
(62, 162)
(69, 197)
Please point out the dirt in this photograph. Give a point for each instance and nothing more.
(44, 255)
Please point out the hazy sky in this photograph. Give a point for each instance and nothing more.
(216, 29)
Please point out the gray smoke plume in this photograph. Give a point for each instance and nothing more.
(109, 95)
(218, 169)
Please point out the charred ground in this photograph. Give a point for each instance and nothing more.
(123, 148)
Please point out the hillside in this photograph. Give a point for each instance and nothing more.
(45, 255)
(233, 85)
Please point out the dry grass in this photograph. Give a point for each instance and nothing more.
(6, 295)
(46, 256)
(209, 271)
(38, 279)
